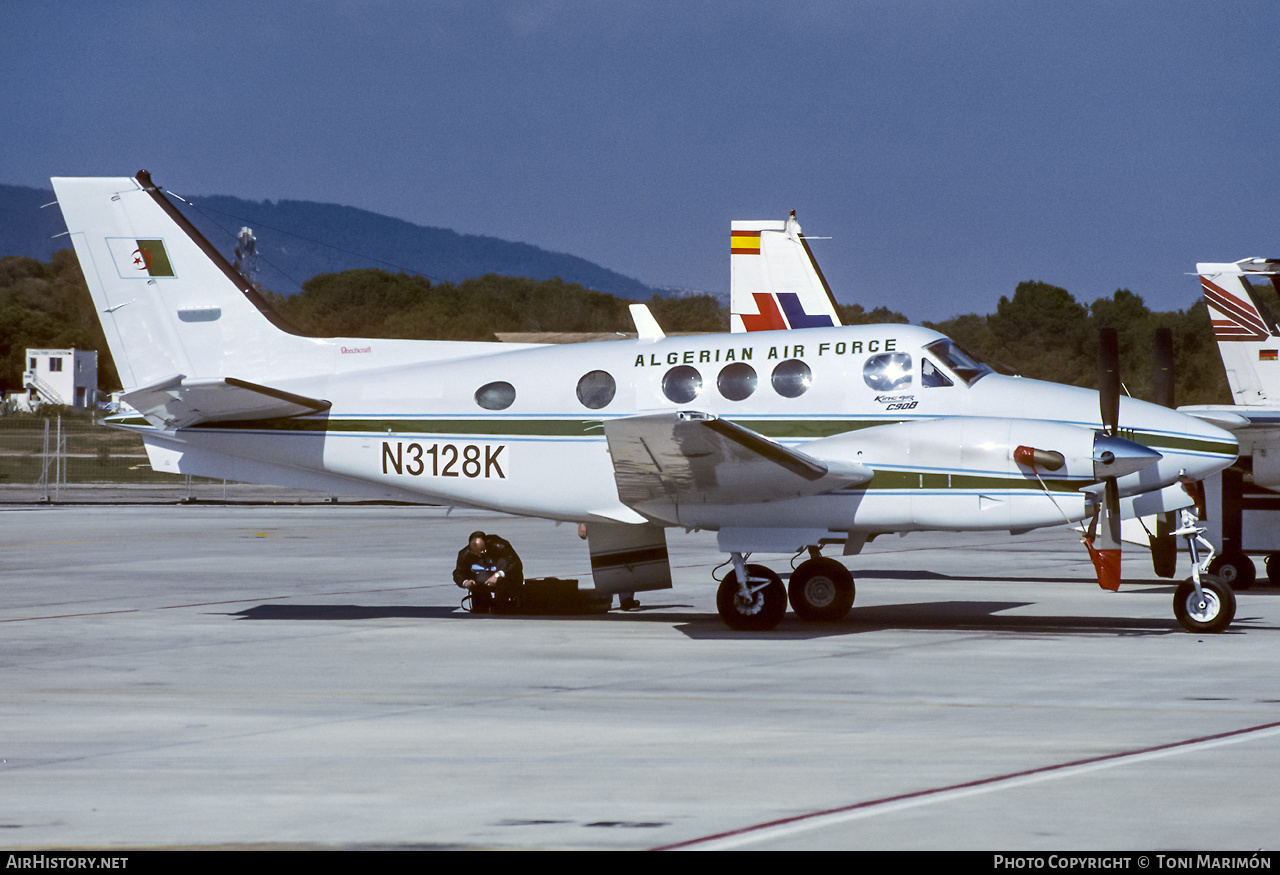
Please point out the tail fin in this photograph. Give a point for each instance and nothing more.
(169, 303)
(775, 282)
(1247, 335)
(191, 338)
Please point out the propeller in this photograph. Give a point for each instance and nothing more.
(1103, 540)
(1164, 545)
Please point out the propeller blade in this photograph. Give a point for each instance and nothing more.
(1109, 379)
(1104, 543)
(1105, 547)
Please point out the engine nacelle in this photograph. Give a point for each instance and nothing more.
(987, 446)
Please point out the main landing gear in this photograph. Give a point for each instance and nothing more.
(821, 591)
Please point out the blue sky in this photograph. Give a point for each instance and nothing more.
(950, 149)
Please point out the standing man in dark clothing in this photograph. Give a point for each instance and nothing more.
(489, 569)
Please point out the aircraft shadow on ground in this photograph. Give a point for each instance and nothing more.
(960, 616)
(445, 612)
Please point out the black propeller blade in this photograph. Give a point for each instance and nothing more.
(1109, 379)
(1105, 549)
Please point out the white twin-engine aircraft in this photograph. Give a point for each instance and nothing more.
(781, 441)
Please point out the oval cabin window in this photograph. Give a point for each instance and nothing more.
(888, 372)
(792, 378)
(682, 384)
(496, 396)
(596, 389)
(737, 381)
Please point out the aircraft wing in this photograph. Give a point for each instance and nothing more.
(1235, 418)
(664, 461)
(176, 402)
(1256, 429)
(1254, 426)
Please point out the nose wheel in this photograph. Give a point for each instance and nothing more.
(1204, 602)
(1212, 610)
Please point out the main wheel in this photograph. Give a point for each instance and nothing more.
(763, 610)
(821, 591)
(1213, 613)
(1235, 569)
(1273, 569)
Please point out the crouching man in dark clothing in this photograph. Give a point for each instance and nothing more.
(489, 569)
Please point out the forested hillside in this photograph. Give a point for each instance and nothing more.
(375, 303)
(300, 239)
(1041, 331)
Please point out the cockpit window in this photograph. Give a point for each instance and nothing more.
(963, 365)
(931, 377)
(888, 371)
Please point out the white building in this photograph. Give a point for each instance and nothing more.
(58, 376)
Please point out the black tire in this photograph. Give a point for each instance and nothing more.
(1272, 564)
(764, 611)
(1214, 615)
(1235, 569)
(821, 591)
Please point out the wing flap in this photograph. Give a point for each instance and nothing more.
(665, 461)
(176, 402)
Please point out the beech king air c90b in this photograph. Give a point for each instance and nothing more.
(780, 441)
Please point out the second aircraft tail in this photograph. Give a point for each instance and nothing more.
(1247, 335)
(775, 282)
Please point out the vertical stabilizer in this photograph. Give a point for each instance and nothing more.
(170, 304)
(775, 282)
(1244, 328)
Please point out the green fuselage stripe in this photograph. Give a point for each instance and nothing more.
(777, 429)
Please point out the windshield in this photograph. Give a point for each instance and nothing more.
(963, 365)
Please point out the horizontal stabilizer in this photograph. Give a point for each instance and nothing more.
(666, 461)
(177, 402)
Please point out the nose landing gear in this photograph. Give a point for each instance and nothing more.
(1203, 603)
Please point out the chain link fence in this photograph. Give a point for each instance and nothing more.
(70, 458)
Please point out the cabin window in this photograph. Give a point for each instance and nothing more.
(888, 372)
(737, 381)
(791, 378)
(596, 389)
(931, 377)
(496, 396)
(682, 384)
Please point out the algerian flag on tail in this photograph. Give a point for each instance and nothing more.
(140, 257)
